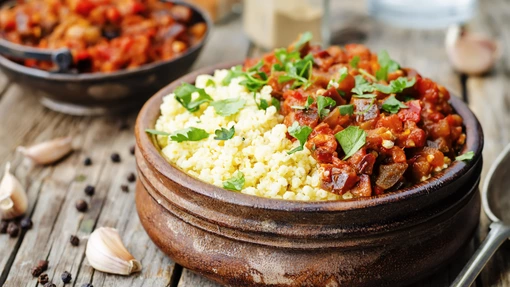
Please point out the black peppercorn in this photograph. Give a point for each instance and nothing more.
(75, 241)
(82, 205)
(132, 150)
(89, 190)
(131, 177)
(13, 229)
(124, 188)
(43, 279)
(115, 157)
(87, 161)
(36, 271)
(87, 285)
(3, 226)
(26, 223)
(43, 264)
(66, 277)
(49, 284)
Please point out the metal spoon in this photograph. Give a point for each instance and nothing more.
(496, 203)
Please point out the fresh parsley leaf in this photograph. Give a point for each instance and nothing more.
(276, 103)
(365, 96)
(156, 132)
(183, 94)
(234, 72)
(228, 107)
(351, 140)
(303, 39)
(300, 71)
(322, 105)
(346, 110)
(392, 105)
(300, 133)
(354, 61)
(224, 134)
(235, 183)
(362, 86)
(210, 83)
(189, 134)
(466, 157)
(396, 86)
(263, 105)
(367, 74)
(284, 57)
(386, 64)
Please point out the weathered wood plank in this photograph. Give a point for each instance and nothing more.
(490, 101)
(190, 279)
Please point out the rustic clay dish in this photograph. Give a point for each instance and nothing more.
(242, 240)
(102, 93)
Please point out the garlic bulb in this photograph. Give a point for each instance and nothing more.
(106, 252)
(48, 152)
(469, 53)
(13, 199)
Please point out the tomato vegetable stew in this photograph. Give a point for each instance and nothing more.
(351, 123)
(103, 35)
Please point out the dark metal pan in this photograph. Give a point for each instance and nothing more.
(96, 93)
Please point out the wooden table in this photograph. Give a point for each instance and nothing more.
(53, 190)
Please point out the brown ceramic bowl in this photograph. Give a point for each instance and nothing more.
(241, 240)
(102, 93)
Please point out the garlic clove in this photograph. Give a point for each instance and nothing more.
(13, 198)
(106, 252)
(48, 152)
(470, 53)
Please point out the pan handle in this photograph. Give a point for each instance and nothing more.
(62, 57)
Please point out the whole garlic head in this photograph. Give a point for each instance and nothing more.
(106, 252)
(13, 198)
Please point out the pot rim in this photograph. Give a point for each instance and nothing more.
(150, 112)
(102, 76)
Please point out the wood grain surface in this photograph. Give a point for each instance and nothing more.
(53, 190)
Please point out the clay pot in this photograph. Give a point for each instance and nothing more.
(241, 240)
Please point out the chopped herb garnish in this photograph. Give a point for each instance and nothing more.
(354, 61)
(284, 57)
(367, 74)
(396, 86)
(224, 134)
(236, 182)
(386, 65)
(156, 132)
(303, 39)
(351, 140)
(276, 103)
(300, 71)
(346, 110)
(187, 134)
(362, 86)
(210, 83)
(323, 103)
(254, 79)
(365, 96)
(466, 157)
(263, 105)
(234, 72)
(309, 102)
(183, 94)
(343, 72)
(392, 105)
(228, 107)
(300, 133)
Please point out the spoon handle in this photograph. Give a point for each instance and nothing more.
(497, 235)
